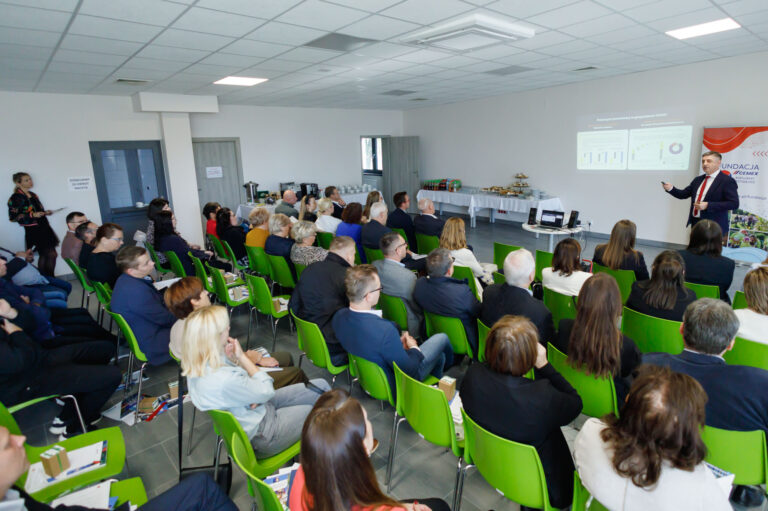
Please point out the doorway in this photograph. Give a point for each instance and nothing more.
(219, 171)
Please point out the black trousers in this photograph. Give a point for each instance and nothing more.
(77, 323)
(197, 492)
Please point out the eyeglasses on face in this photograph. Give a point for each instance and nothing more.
(374, 290)
(119, 240)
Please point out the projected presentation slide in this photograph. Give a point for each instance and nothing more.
(660, 148)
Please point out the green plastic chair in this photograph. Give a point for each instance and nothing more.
(543, 260)
(453, 328)
(703, 290)
(161, 270)
(499, 278)
(561, 306)
(373, 254)
(264, 497)
(401, 232)
(624, 278)
(258, 261)
(299, 269)
(115, 453)
(652, 334)
(426, 410)
(393, 309)
(222, 290)
(324, 239)
(281, 272)
(742, 453)
(104, 296)
(426, 243)
(313, 343)
(500, 252)
(218, 248)
(465, 273)
(201, 274)
(128, 490)
(739, 300)
(236, 267)
(748, 353)
(175, 263)
(582, 500)
(84, 282)
(494, 457)
(598, 395)
(136, 356)
(261, 300)
(482, 334)
(372, 379)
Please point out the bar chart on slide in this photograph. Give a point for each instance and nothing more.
(602, 150)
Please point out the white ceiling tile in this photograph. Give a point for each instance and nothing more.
(228, 59)
(13, 65)
(258, 72)
(625, 34)
(160, 65)
(426, 12)
(456, 61)
(621, 5)
(570, 14)
(150, 12)
(192, 40)
(54, 5)
(316, 14)
(99, 44)
(352, 60)
(494, 52)
(366, 5)
(482, 67)
(520, 58)
(527, 8)
(542, 40)
(282, 65)
(379, 27)
(283, 33)
(156, 51)
(599, 25)
(29, 37)
(687, 19)
(27, 17)
(255, 48)
(114, 29)
(389, 65)
(424, 56)
(86, 57)
(568, 47)
(744, 7)
(754, 18)
(663, 9)
(84, 69)
(216, 22)
(266, 9)
(213, 71)
(134, 73)
(310, 55)
(385, 50)
(25, 52)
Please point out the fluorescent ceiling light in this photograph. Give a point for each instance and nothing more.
(712, 27)
(240, 80)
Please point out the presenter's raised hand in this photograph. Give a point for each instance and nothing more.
(667, 186)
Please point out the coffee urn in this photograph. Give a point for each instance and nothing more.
(250, 192)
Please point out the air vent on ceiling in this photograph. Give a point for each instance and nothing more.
(469, 33)
(397, 92)
(588, 68)
(129, 81)
(509, 70)
(418, 99)
(339, 42)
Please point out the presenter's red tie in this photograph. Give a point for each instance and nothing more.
(701, 193)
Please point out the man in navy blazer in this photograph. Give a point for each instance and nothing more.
(400, 219)
(364, 333)
(141, 305)
(427, 223)
(712, 194)
(372, 232)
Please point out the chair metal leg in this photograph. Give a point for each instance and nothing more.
(82, 298)
(191, 430)
(248, 337)
(333, 380)
(392, 447)
(77, 410)
(217, 452)
(117, 348)
(456, 484)
(301, 357)
(128, 378)
(349, 381)
(274, 333)
(138, 392)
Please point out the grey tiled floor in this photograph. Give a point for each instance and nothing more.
(420, 470)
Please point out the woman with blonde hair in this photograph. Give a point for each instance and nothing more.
(222, 377)
(302, 252)
(326, 222)
(307, 208)
(454, 239)
(619, 253)
(753, 321)
(372, 198)
(259, 220)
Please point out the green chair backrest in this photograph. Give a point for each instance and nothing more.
(500, 251)
(741, 452)
(401, 232)
(465, 273)
(324, 239)
(373, 254)
(740, 300)
(153, 255)
(426, 410)
(372, 378)
(281, 272)
(231, 255)
(624, 278)
(313, 343)
(598, 395)
(499, 278)
(426, 243)
(7, 420)
(482, 334)
(103, 294)
(259, 295)
(561, 306)
(703, 290)
(394, 309)
(748, 353)
(219, 284)
(262, 493)
(543, 260)
(453, 328)
(201, 274)
(258, 261)
(494, 456)
(581, 496)
(80, 274)
(299, 269)
(128, 334)
(228, 428)
(218, 248)
(652, 334)
(176, 267)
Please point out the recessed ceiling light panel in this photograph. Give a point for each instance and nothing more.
(712, 27)
(243, 81)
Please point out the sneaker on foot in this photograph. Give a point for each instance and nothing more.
(58, 427)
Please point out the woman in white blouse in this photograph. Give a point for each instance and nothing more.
(326, 222)
(454, 238)
(753, 321)
(565, 275)
(652, 456)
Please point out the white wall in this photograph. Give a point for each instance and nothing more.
(486, 142)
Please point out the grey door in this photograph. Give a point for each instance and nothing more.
(219, 172)
(401, 168)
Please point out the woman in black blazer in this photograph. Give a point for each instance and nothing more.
(619, 253)
(665, 295)
(102, 266)
(229, 230)
(499, 398)
(704, 262)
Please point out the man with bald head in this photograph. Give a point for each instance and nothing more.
(427, 223)
(286, 205)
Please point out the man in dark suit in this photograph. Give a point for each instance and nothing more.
(441, 294)
(712, 195)
(332, 193)
(373, 231)
(514, 297)
(400, 219)
(320, 292)
(364, 333)
(427, 223)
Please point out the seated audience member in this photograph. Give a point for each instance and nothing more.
(652, 455)
(364, 333)
(337, 433)
(209, 212)
(303, 252)
(426, 222)
(326, 222)
(441, 294)
(156, 205)
(454, 238)
(593, 341)
(372, 232)
(168, 240)
(619, 253)
(71, 244)
(286, 206)
(28, 371)
(320, 292)
(350, 226)
(259, 220)
(307, 208)
(86, 233)
(753, 321)
(503, 401)
(331, 192)
(229, 230)
(565, 275)
(222, 377)
(141, 305)
(279, 242)
(22, 273)
(704, 262)
(188, 295)
(371, 199)
(664, 295)
(397, 280)
(400, 219)
(101, 263)
(513, 296)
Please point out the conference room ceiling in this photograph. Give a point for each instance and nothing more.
(183, 46)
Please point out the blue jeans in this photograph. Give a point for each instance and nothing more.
(438, 356)
(55, 292)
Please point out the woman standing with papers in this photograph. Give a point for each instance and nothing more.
(25, 208)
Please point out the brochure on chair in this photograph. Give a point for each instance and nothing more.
(81, 460)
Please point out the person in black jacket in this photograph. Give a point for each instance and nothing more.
(426, 222)
(372, 232)
(665, 295)
(514, 297)
(500, 399)
(320, 292)
(331, 192)
(619, 253)
(704, 262)
(400, 219)
(101, 263)
(168, 240)
(229, 230)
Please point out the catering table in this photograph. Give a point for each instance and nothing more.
(536, 229)
(243, 210)
(475, 201)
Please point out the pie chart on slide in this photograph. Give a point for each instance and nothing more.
(676, 148)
